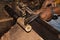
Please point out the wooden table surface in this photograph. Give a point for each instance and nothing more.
(17, 33)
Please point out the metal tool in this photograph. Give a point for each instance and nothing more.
(31, 18)
(13, 14)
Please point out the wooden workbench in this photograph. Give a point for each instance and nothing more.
(17, 33)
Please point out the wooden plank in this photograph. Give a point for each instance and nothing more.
(17, 33)
(43, 32)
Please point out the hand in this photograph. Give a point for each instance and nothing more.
(57, 10)
(45, 15)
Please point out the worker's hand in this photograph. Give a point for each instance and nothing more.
(46, 15)
(57, 10)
